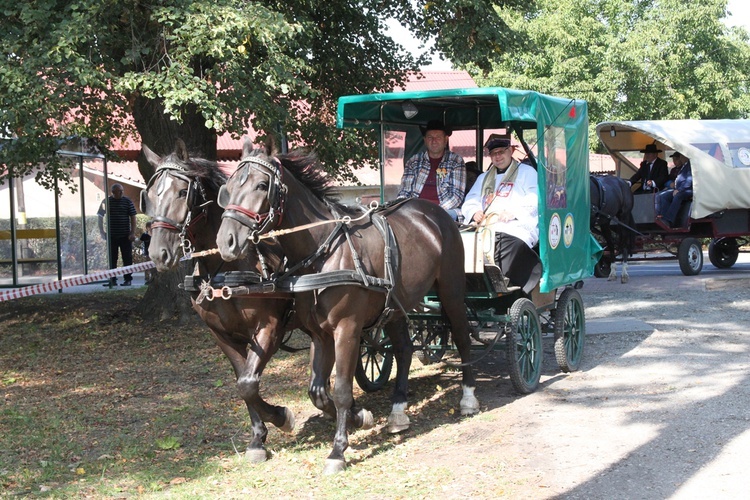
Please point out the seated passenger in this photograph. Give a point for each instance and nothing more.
(672, 175)
(668, 202)
(653, 172)
(505, 199)
(438, 174)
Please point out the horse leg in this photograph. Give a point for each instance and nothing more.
(240, 359)
(454, 310)
(346, 338)
(607, 233)
(624, 277)
(398, 333)
(321, 366)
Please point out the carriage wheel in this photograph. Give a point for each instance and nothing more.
(375, 360)
(432, 337)
(570, 330)
(524, 346)
(723, 252)
(690, 255)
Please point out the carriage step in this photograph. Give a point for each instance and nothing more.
(497, 279)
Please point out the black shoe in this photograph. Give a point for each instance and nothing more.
(126, 283)
(110, 284)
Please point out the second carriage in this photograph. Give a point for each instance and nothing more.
(553, 135)
(719, 209)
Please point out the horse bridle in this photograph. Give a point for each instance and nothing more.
(195, 191)
(259, 223)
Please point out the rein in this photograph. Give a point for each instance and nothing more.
(256, 236)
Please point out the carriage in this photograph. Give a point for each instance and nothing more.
(719, 152)
(552, 132)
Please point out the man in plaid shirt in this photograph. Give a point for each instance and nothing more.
(438, 174)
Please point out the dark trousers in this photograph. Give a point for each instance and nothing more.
(124, 246)
(519, 263)
(669, 204)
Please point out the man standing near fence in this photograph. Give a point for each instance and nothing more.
(121, 229)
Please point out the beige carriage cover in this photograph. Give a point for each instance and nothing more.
(719, 152)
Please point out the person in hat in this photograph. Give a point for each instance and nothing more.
(669, 201)
(505, 199)
(437, 174)
(653, 172)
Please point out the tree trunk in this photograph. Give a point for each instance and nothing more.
(164, 300)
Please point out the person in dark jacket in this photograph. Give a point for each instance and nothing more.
(653, 172)
(670, 200)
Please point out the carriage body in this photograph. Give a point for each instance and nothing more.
(553, 134)
(719, 153)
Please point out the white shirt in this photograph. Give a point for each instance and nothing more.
(521, 198)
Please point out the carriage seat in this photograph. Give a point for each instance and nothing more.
(479, 259)
(644, 210)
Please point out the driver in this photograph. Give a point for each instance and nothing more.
(505, 199)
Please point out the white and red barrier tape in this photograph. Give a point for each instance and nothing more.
(28, 291)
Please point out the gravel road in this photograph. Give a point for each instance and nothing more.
(659, 408)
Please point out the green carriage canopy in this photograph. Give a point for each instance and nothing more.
(559, 144)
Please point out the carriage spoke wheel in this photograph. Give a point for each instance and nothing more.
(524, 346)
(570, 330)
(723, 252)
(690, 255)
(375, 360)
(431, 339)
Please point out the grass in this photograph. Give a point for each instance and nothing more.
(95, 403)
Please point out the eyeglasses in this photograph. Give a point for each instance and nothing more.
(499, 151)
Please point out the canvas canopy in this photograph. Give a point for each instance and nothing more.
(566, 247)
(719, 152)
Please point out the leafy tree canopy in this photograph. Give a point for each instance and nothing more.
(631, 60)
(194, 69)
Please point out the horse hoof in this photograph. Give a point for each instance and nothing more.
(365, 416)
(612, 277)
(288, 421)
(256, 455)
(333, 466)
(624, 279)
(398, 421)
(469, 405)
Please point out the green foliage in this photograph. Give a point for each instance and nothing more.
(196, 69)
(645, 60)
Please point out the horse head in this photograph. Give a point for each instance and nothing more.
(253, 202)
(179, 197)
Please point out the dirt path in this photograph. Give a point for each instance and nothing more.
(659, 409)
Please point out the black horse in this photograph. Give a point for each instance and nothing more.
(612, 215)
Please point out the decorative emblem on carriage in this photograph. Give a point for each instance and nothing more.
(744, 155)
(568, 230)
(554, 231)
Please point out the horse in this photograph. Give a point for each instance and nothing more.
(364, 252)
(612, 201)
(181, 199)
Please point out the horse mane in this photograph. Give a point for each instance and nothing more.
(207, 171)
(304, 165)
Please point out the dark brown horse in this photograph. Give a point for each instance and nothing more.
(612, 215)
(389, 272)
(181, 199)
